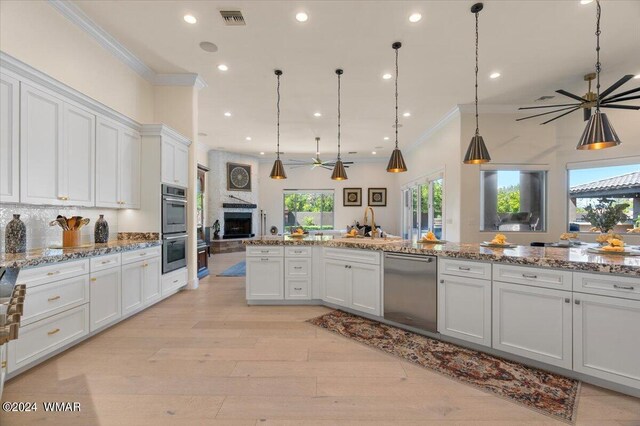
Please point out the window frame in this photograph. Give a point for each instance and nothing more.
(406, 194)
(327, 192)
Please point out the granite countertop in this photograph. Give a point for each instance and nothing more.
(575, 258)
(38, 257)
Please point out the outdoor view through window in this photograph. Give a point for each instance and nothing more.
(310, 210)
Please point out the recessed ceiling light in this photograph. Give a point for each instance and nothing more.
(317, 114)
(262, 153)
(223, 67)
(494, 75)
(585, 1)
(387, 76)
(227, 114)
(248, 138)
(302, 17)
(386, 138)
(415, 17)
(373, 152)
(406, 114)
(190, 19)
(207, 46)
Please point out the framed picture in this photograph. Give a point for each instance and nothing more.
(378, 197)
(238, 177)
(352, 197)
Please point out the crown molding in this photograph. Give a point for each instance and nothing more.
(163, 130)
(74, 14)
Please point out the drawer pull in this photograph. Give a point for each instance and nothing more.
(53, 273)
(533, 277)
(104, 262)
(623, 287)
(51, 299)
(298, 251)
(264, 251)
(297, 267)
(94, 279)
(52, 332)
(297, 288)
(142, 254)
(464, 268)
(175, 281)
(144, 265)
(262, 259)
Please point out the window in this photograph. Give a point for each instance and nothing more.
(612, 185)
(310, 210)
(513, 200)
(423, 209)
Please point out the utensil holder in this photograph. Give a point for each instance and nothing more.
(71, 238)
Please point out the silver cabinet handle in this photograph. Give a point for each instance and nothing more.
(577, 302)
(264, 251)
(297, 267)
(263, 259)
(623, 287)
(464, 268)
(533, 277)
(104, 262)
(175, 281)
(297, 288)
(298, 251)
(143, 254)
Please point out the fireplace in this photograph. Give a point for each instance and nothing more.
(237, 225)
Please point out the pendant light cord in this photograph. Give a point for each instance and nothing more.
(476, 100)
(397, 97)
(278, 119)
(339, 116)
(598, 67)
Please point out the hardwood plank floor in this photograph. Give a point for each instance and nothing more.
(205, 357)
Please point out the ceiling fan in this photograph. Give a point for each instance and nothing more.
(589, 100)
(316, 161)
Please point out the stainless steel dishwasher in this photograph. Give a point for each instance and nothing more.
(410, 290)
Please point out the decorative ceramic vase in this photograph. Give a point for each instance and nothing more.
(101, 231)
(15, 236)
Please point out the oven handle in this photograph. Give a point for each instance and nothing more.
(175, 237)
(177, 200)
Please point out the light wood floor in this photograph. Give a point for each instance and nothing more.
(205, 358)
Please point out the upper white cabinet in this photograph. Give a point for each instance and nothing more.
(9, 139)
(130, 169)
(175, 162)
(78, 176)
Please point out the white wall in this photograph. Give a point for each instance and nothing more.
(361, 175)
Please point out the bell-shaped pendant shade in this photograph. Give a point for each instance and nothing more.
(339, 172)
(598, 134)
(477, 152)
(277, 171)
(396, 162)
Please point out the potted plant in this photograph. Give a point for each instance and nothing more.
(606, 214)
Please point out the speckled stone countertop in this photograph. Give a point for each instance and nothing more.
(38, 257)
(576, 258)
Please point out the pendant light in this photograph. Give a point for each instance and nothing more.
(277, 171)
(599, 133)
(477, 152)
(339, 172)
(396, 162)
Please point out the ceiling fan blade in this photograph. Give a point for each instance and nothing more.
(297, 166)
(586, 114)
(629, 98)
(549, 106)
(620, 106)
(328, 168)
(561, 115)
(615, 85)
(347, 162)
(297, 161)
(571, 95)
(619, 95)
(548, 112)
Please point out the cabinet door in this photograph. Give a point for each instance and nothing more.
(106, 303)
(152, 284)
(132, 286)
(464, 308)
(181, 166)
(78, 160)
(107, 158)
(336, 289)
(129, 169)
(533, 322)
(41, 147)
(606, 333)
(265, 278)
(9, 139)
(168, 161)
(365, 287)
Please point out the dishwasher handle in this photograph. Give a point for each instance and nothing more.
(414, 257)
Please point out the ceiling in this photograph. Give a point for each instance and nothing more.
(537, 46)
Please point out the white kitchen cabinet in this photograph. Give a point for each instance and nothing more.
(78, 159)
(533, 322)
(129, 169)
(3, 367)
(173, 281)
(152, 287)
(606, 338)
(336, 283)
(132, 287)
(464, 308)
(105, 297)
(297, 280)
(354, 285)
(9, 139)
(175, 162)
(265, 278)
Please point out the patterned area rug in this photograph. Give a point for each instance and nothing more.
(546, 392)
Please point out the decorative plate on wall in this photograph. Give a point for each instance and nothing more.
(238, 177)
(352, 197)
(378, 197)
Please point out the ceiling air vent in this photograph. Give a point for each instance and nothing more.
(232, 17)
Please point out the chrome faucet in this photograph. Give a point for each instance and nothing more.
(374, 230)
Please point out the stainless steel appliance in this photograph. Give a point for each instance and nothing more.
(410, 290)
(174, 209)
(174, 252)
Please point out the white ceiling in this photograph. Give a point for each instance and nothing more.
(537, 46)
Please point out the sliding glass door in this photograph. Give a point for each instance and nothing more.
(422, 210)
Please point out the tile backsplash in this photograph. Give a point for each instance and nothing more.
(37, 218)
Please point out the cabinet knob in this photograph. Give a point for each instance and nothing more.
(94, 279)
(441, 281)
(577, 302)
(567, 300)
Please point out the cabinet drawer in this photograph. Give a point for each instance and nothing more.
(49, 299)
(59, 271)
(142, 254)
(172, 281)
(297, 288)
(270, 251)
(347, 255)
(539, 277)
(101, 263)
(607, 285)
(43, 337)
(298, 268)
(465, 268)
(297, 252)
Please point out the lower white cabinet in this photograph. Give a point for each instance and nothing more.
(297, 282)
(152, 286)
(606, 337)
(140, 284)
(172, 281)
(335, 286)
(464, 308)
(105, 295)
(353, 285)
(533, 322)
(265, 278)
(49, 299)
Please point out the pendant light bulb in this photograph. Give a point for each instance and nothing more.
(599, 133)
(477, 152)
(277, 171)
(339, 172)
(396, 162)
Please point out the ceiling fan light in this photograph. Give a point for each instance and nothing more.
(477, 152)
(339, 172)
(396, 162)
(598, 134)
(277, 171)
